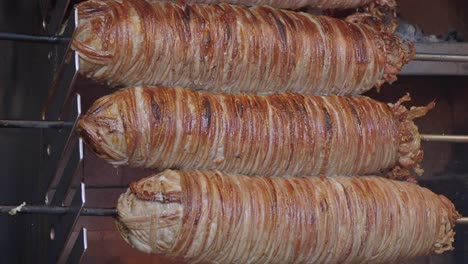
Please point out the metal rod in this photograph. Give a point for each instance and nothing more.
(440, 57)
(445, 138)
(59, 39)
(33, 38)
(56, 210)
(34, 124)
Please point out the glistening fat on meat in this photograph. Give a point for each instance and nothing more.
(213, 217)
(233, 48)
(277, 135)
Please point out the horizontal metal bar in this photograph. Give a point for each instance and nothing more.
(33, 38)
(57, 210)
(34, 124)
(445, 138)
(440, 57)
(99, 187)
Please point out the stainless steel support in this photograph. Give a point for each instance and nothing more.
(462, 221)
(445, 138)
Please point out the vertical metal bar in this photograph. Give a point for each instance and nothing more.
(57, 145)
(78, 250)
(55, 230)
(54, 146)
(62, 87)
(58, 14)
(61, 229)
(65, 74)
(74, 165)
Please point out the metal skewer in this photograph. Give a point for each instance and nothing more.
(445, 138)
(62, 124)
(440, 57)
(34, 124)
(34, 38)
(57, 210)
(59, 39)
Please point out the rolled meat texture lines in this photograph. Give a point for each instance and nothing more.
(277, 135)
(293, 4)
(228, 48)
(213, 217)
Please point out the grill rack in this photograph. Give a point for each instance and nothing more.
(63, 150)
(61, 162)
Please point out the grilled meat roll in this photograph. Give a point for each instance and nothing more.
(294, 4)
(281, 134)
(227, 218)
(234, 48)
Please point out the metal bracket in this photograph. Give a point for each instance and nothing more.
(56, 148)
(61, 227)
(54, 13)
(73, 166)
(78, 250)
(65, 73)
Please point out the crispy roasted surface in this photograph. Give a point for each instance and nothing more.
(293, 4)
(233, 48)
(221, 218)
(276, 135)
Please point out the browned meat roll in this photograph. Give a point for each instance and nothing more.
(220, 218)
(294, 4)
(234, 48)
(281, 134)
